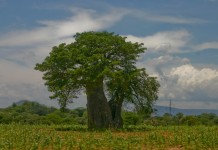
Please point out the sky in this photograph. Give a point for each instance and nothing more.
(181, 37)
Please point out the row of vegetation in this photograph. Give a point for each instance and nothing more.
(35, 113)
(35, 137)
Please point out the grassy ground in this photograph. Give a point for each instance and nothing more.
(26, 137)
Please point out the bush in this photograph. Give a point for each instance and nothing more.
(131, 118)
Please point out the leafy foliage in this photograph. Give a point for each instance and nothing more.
(93, 56)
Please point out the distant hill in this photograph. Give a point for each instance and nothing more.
(31, 107)
(21, 102)
(164, 109)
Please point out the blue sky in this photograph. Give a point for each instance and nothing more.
(181, 37)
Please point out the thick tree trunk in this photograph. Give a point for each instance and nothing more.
(99, 114)
(115, 107)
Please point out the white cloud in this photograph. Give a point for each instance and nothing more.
(189, 76)
(83, 20)
(164, 18)
(206, 45)
(166, 41)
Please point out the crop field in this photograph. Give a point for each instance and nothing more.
(38, 137)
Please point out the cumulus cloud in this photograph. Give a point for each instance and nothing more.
(191, 79)
(186, 85)
(166, 41)
(159, 66)
(190, 87)
(189, 76)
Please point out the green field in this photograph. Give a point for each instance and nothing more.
(38, 137)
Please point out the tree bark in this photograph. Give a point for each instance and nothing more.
(99, 114)
(115, 107)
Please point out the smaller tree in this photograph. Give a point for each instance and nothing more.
(133, 86)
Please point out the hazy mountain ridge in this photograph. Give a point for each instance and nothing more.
(164, 109)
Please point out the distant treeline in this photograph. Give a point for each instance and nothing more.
(27, 112)
(34, 113)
